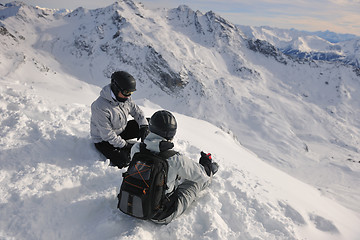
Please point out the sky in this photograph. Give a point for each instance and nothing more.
(341, 16)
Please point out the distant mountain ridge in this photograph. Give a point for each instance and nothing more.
(325, 46)
(332, 36)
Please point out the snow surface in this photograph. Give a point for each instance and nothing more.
(55, 185)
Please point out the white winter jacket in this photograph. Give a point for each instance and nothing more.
(180, 167)
(109, 118)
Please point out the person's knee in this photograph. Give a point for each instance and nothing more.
(187, 194)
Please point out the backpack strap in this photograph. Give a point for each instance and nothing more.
(168, 154)
(164, 155)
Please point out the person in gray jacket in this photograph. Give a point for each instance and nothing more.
(109, 127)
(185, 178)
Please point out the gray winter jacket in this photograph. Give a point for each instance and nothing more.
(109, 118)
(180, 167)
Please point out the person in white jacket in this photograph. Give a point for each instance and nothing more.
(185, 178)
(109, 126)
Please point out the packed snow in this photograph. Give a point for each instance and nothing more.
(55, 185)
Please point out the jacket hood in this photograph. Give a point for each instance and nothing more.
(153, 141)
(106, 93)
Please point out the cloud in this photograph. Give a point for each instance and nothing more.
(341, 24)
(335, 15)
(345, 2)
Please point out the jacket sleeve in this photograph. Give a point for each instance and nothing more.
(101, 118)
(138, 114)
(190, 170)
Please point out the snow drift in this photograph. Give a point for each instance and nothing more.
(55, 185)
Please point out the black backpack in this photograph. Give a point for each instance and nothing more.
(142, 192)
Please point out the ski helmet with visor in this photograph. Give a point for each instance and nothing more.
(123, 82)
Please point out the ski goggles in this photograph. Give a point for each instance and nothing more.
(126, 93)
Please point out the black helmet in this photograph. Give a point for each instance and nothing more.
(163, 123)
(122, 82)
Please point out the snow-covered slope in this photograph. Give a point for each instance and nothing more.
(326, 46)
(298, 116)
(55, 185)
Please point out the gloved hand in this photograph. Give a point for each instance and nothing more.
(128, 146)
(209, 165)
(143, 132)
(125, 154)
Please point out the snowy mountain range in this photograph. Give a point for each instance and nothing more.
(325, 46)
(297, 114)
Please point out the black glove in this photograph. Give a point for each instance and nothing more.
(128, 146)
(125, 154)
(143, 132)
(209, 165)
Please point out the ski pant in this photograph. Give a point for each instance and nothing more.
(187, 192)
(119, 157)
